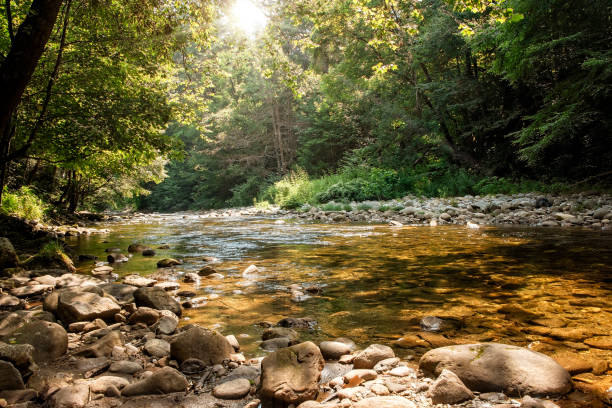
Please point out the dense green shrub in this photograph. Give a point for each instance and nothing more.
(23, 203)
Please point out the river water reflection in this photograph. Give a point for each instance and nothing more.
(547, 288)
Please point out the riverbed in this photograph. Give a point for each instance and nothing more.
(376, 283)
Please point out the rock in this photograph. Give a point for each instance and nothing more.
(448, 389)
(233, 341)
(31, 290)
(280, 332)
(362, 374)
(144, 315)
(250, 271)
(82, 282)
(275, 344)
(573, 363)
(112, 392)
(164, 381)
(401, 371)
(157, 298)
(102, 270)
(10, 303)
(124, 294)
(74, 396)
(168, 286)
(50, 340)
(20, 355)
(157, 348)
(372, 355)
(493, 367)
(101, 384)
(104, 346)
(235, 389)
(432, 323)
(245, 371)
(601, 342)
(76, 306)
(333, 350)
(385, 402)
(138, 281)
(193, 366)
(8, 256)
(10, 377)
(206, 270)
(191, 277)
(148, 252)
(602, 212)
(18, 396)
(167, 324)
(168, 262)
(297, 322)
(116, 257)
(135, 248)
(542, 202)
(125, 367)
(386, 364)
(291, 375)
(203, 344)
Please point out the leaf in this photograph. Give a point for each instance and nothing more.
(353, 382)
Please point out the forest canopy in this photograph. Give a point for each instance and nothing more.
(173, 105)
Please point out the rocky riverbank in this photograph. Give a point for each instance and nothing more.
(535, 210)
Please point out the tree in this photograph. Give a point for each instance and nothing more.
(17, 67)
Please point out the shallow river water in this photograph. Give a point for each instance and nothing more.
(511, 285)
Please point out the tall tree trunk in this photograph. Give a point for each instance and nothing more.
(19, 65)
(279, 137)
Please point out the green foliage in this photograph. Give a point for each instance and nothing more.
(51, 250)
(23, 203)
(292, 191)
(332, 207)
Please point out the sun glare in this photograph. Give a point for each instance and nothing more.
(248, 17)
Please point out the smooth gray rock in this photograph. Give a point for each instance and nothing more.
(493, 367)
(231, 390)
(157, 298)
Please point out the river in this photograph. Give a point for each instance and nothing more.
(506, 284)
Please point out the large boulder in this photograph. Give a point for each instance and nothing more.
(76, 306)
(291, 375)
(50, 340)
(157, 298)
(8, 256)
(163, 381)
(197, 342)
(493, 367)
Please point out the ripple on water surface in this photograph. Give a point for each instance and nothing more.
(546, 288)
